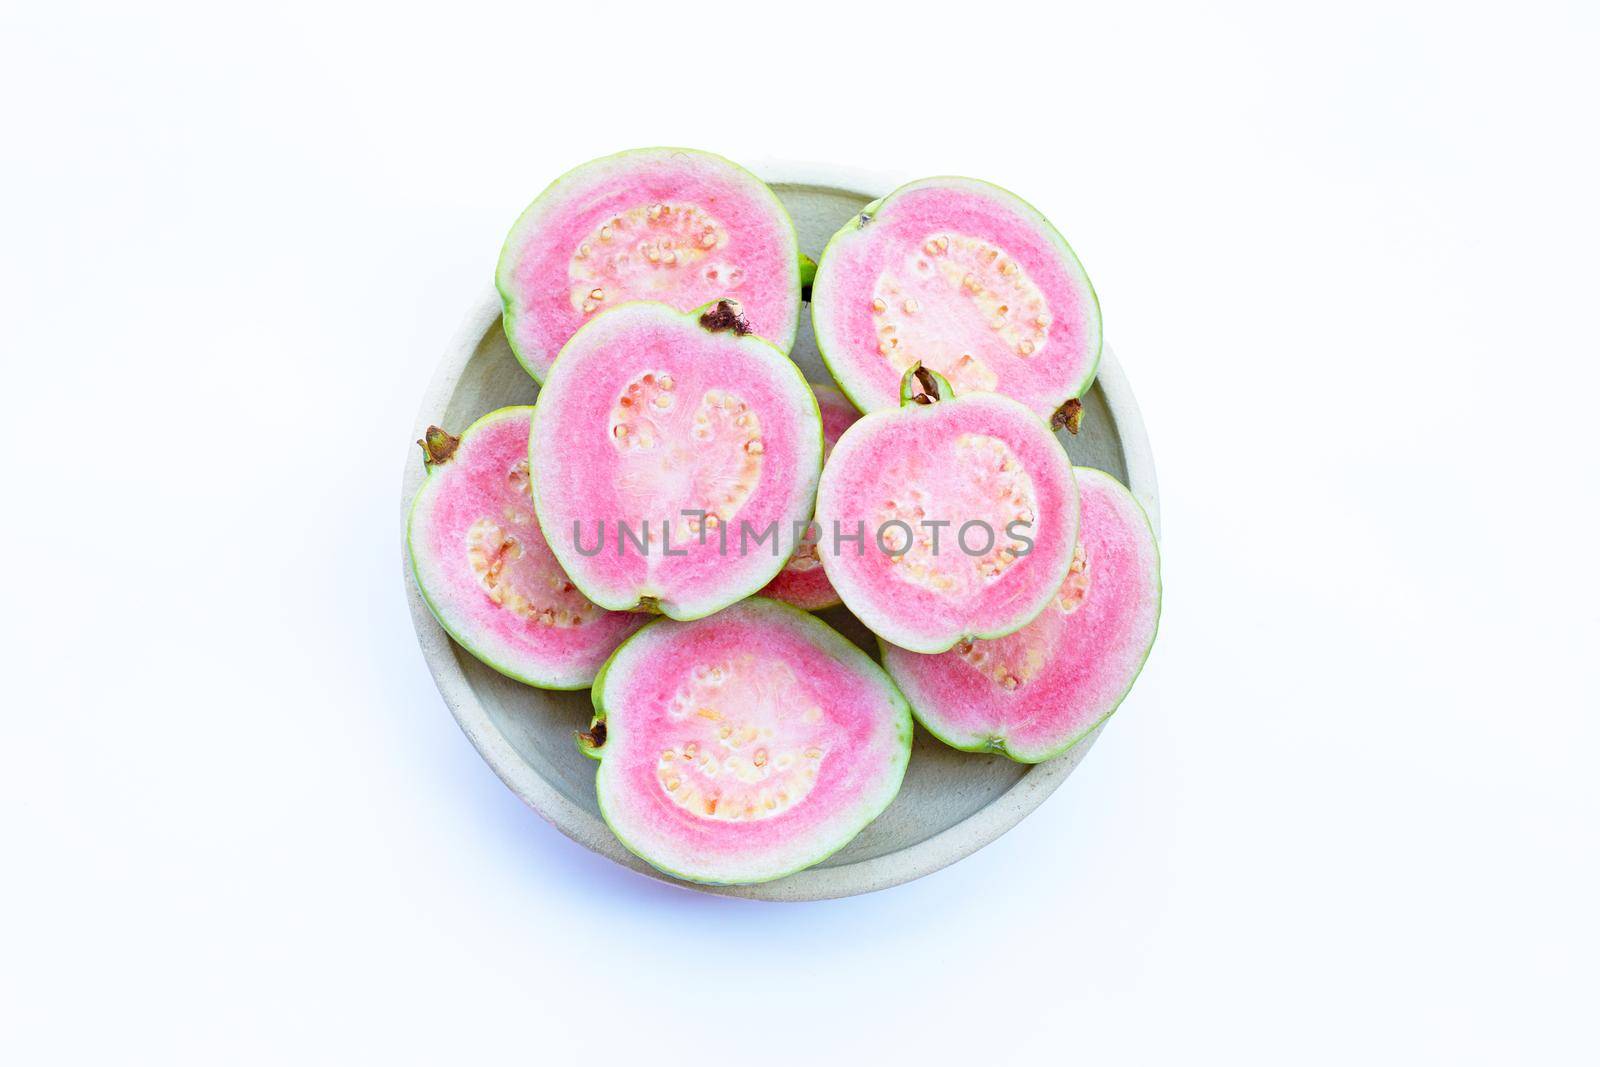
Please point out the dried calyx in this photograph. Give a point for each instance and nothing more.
(437, 446)
(1068, 416)
(594, 738)
(724, 315)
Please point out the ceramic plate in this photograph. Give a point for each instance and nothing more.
(952, 803)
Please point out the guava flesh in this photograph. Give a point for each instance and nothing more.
(966, 279)
(745, 746)
(672, 225)
(674, 457)
(1033, 694)
(802, 582)
(484, 567)
(985, 468)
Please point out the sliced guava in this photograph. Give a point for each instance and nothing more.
(966, 279)
(485, 570)
(744, 746)
(949, 518)
(803, 582)
(668, 224)
(1035, 693)
(675, 459)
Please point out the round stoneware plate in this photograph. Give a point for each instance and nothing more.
(952, 803)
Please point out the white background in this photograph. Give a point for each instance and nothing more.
(1348, 257)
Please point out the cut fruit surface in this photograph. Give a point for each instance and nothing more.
(1035, 693)
(675, 459)
(485, 570)
(947, 519)
(667, 224)
(966, 279)
(803, 582)
(746, 745)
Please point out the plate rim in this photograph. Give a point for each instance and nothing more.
(817, 883)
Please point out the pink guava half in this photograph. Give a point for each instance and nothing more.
(485, 570)
(674, 457)
(746, 745)
(1034, 694)
(966, 279)
(667, 224)
(802, 582)
(948, 518)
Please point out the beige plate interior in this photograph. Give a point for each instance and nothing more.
(952, 803)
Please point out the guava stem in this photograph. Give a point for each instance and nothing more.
(437, 446)
(1068, 416)
(594, 737)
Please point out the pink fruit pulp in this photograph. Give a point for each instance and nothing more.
(982, 459)
(965, 278)
(487, 574)
(746, 745)
(647, 417)
(1035, 693)
(673, 225)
